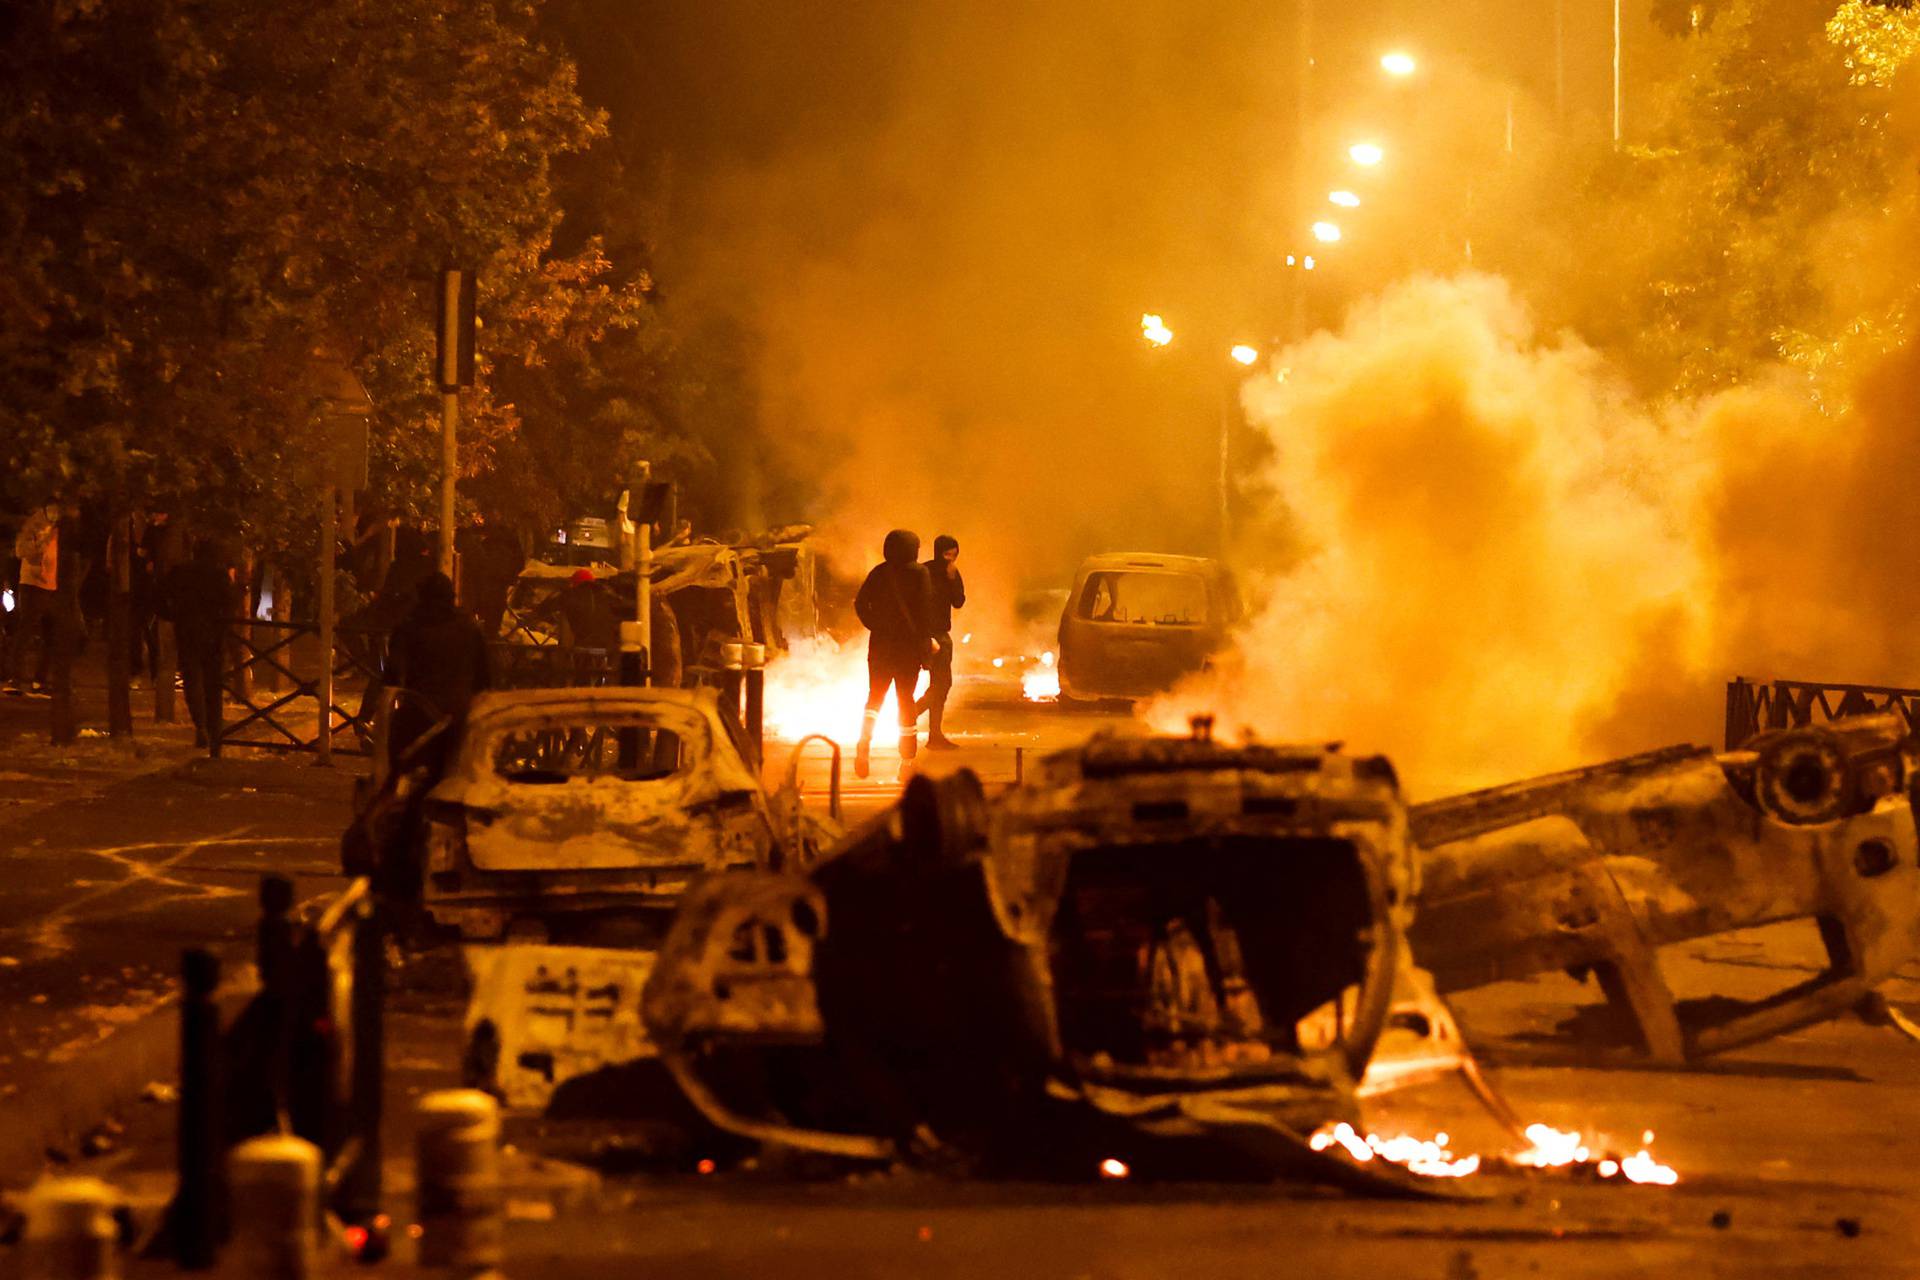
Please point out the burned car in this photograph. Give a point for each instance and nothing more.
(572, 814)
(1136, 623)
(1170, 953)
(1594, 870)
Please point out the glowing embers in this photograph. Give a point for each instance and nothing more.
(1555, 1149)
(1430, 1158)
(1551, 1149)
(1041, 681)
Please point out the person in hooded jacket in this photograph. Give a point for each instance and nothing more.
(438, 654)
(895, 604)
(949, 593)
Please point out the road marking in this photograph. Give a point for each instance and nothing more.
(48, 936)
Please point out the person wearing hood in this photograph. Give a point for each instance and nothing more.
(202, 600)
(895, 604)
(438, 656)
(949, 593)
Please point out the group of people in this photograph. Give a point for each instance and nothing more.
(907, 608)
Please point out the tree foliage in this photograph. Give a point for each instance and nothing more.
(1762, 213)
(200, 200)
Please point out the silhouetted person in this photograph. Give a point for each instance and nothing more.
(38, 546)
(200, 600)
(438, 656)
(949, 593)
(895, 604)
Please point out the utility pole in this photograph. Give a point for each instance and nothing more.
(455, 369)
(1617, 96)
(1303, 113)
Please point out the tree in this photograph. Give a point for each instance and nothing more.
(196, 198)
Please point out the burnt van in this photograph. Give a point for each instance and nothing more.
(1137, 622)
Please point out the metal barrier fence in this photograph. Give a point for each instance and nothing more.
(1754, 707)
(272, 672)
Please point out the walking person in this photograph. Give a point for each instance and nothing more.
(949, 593)
(38, 546)
(438, 656)
(895, 604)
(200, 600)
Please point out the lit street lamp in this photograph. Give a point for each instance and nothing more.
(1366, 154)
(1244, 354)
(1345, 199)
(1398, 64)
(1326, 232)
(1154, 331)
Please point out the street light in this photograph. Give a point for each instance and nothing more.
(1244, 354)
(1326, 232)
(1398, 64)
(1366, 154)
(1345, 199)
(1154, 331)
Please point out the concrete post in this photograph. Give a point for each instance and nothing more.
(70, 1232)
(457, 1171)
(275, 1185)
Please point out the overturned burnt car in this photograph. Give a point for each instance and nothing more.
(1170, 953)
(1592, 871)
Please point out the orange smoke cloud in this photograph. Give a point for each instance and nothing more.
(1506, 565)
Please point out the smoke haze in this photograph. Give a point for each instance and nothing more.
(1489, 536)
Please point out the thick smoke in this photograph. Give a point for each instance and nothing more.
(1508, 565)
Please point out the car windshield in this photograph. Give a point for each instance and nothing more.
(1145, 599)
(555, 754)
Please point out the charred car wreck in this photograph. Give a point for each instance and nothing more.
(1594, 870)
(1168, 952)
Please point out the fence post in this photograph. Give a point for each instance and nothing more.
(197, 1199)
(323, 690)
(1740, 713)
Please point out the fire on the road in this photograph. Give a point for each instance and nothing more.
(1552, 1149)
(1040, 681)
(821, 687)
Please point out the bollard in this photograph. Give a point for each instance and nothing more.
(70, 1232)
(198, 1197)
(457, 1172)
(358, 1199)
(275, 1185)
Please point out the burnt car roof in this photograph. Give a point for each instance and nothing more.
(507, 704)
(1111, 756)
(1150, 560)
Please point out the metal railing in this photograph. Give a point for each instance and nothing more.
(1755, 707)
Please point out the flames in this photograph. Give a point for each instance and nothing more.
(1040, 682)
(819, 686)
(1552, 1149)
(1427, 1157)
